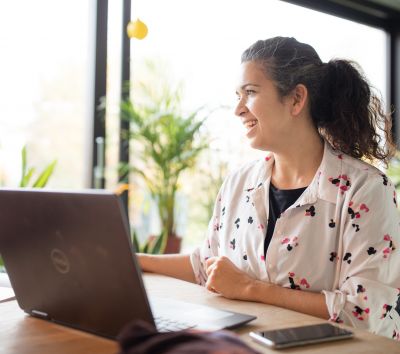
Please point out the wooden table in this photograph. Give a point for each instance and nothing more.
(20, 333)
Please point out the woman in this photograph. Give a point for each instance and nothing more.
(312, 216)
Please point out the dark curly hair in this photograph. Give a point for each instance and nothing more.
(342, 105)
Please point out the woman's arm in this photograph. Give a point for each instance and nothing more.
(229, 281)
(172, 265)
(297, 300)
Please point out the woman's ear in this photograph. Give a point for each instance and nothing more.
(299, 99)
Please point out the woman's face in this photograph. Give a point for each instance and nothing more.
(265, 116)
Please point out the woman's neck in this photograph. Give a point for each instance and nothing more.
(296, 166)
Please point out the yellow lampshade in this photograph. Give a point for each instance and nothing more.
(136, 29)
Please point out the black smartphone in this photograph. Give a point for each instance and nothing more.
(290, 337)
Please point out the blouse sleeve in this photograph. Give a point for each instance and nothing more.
(210, 246)
(369, 280)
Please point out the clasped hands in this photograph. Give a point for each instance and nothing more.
(228, 280)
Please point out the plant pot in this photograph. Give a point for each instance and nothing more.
(173, 244)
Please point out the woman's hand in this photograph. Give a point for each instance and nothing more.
(226, 279)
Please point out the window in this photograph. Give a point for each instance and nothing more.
(46, 88)
(202, 44)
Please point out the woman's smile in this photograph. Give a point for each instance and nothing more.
(250, 126)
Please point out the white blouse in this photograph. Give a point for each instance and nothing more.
(341, 238)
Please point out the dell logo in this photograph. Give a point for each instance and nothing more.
(60, 261)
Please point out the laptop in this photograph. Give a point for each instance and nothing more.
(70, 260)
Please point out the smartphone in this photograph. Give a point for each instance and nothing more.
(290, 337)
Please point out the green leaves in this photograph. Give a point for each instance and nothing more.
(45, 175)
(154, 245)
(28, 172)
(166, 142)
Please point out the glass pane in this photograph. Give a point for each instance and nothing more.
(114, 55)
(46, 88)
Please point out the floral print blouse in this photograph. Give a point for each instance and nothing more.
(340, 238)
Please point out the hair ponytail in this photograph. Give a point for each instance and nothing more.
(343, 108)
(349, 115)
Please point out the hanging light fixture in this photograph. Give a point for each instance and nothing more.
(136, 29)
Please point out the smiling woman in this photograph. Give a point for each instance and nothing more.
(202, 50)
(312, 215)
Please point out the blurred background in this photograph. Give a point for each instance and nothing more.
(66, 67)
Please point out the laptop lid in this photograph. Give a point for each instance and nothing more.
(69, 258)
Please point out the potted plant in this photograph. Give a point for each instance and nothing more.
(168, 143)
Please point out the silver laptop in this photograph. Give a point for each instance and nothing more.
(70, 260)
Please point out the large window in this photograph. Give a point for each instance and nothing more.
(46, 88)
(200, 43)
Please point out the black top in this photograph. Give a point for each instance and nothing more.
(279, 201)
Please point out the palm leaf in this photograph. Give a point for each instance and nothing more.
(135, 242)
(45, 175)
(159, 245)
(145, 248)
(24, 163)
(27, 177)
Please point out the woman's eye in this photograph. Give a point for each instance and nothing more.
(247, 93)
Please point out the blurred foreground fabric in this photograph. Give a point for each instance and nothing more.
(139, 337)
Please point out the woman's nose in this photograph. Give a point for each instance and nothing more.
(240, 108)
